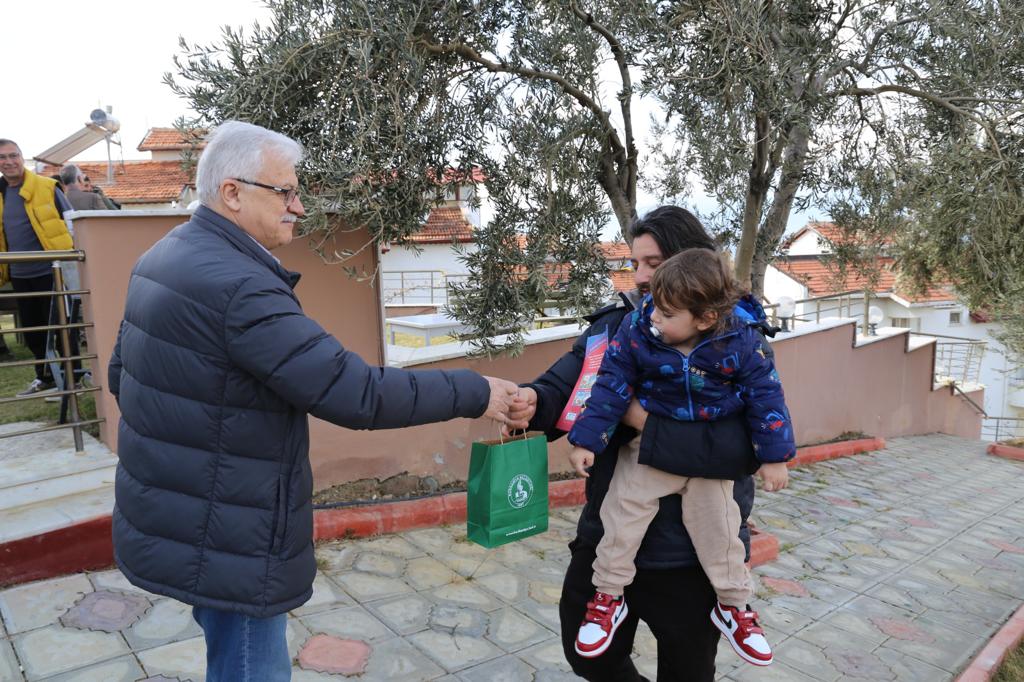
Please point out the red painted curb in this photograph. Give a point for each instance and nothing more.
(80, 547)
(987, 662)
(1006, 451)
(844, 448)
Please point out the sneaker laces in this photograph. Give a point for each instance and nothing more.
(599, 610)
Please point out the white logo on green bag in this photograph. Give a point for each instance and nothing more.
(520, 490)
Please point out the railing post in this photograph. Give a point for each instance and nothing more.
(817, 312)
(865, 328)
(65, 351)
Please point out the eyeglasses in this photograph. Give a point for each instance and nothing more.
(289, 193)
(13, 156)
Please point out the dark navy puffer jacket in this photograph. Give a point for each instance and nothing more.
(724, 375)
(215, 370)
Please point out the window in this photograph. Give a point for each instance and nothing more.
(901, 322)
(954, 318)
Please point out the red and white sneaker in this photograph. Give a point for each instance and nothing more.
(743, 632)
(604, 615)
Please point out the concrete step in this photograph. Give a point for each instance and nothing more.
(52, 514)
(45, 486)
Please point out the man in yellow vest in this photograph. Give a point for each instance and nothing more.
(31, 219)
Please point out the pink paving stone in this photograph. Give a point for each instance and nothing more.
(901, 629)
(783, 586)
(920, 523)
(105, 611)
(335, 656)
(1005, 546)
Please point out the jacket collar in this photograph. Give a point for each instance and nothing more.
(209, 219)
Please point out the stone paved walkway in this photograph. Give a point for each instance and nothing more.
(897, 565)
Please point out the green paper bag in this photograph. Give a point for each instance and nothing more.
(507, 495)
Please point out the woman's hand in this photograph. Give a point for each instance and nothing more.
(581, 458)
(636, 415)
(774, 477)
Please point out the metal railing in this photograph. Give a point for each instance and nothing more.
(844, 304)
(410, 287)
(957, 359)
(60, 355)
(998, 429)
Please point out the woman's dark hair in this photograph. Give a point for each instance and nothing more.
(673, 230)
(697, 280)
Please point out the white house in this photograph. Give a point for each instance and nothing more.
(800, 273)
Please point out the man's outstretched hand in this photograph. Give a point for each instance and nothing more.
(503, 397)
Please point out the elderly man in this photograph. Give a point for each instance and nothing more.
(74, 184)
(31, 219)
(215, 370)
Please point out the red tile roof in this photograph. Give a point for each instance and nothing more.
(830, 232)
(820, 280)
(622, 280)
(615, 250)
(165, 139)
(445, 224)
(135, 182)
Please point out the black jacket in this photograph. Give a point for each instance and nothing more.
(215, 370)
(666, 544)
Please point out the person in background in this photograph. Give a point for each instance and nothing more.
(31, 219)
(81, 199)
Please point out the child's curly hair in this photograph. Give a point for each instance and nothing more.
(697, 280)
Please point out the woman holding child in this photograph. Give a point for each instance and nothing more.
(693, 442)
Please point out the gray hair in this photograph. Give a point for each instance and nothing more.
(69, 174)
(237, 150)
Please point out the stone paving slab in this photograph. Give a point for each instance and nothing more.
(895, 565)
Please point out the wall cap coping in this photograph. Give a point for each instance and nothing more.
(882, 334)
(130, 213)
(403, 356)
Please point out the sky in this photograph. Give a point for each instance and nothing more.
(115, 53)
(93, 55)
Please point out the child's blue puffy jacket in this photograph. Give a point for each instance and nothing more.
(722, 376)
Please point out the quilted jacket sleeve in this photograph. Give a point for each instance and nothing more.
(611, 393)
(771, 427)
(269, 336)
(114, 367)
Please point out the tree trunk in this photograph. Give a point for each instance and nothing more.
(782, 204)
(623, 200)
(757, 190)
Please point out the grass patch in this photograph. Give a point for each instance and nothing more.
(1012, 669)
(416, 341)
(15, 379)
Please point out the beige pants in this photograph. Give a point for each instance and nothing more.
(710, 514)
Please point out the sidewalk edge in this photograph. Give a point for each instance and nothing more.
(986, 664)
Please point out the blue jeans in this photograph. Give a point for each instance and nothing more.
(241, 648)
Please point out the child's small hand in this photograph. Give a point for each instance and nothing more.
(581, 458)
(774, 476)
